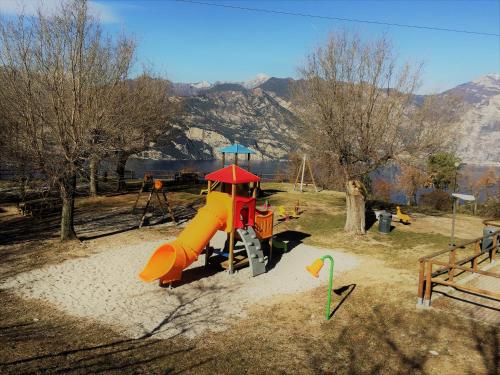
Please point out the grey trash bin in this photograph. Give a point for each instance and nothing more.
(384, 222)
(488, 241)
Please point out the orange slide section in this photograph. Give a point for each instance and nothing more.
(170, 259)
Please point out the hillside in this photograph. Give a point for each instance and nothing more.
(225, 113)
(256, 113)
(480, 124)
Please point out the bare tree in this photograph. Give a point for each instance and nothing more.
(358, 107)
(141, 113)
(410, 180)
(56, 74)
(479, 183)
(382, 189)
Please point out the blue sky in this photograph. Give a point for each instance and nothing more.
(192, 42)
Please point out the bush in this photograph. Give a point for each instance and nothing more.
(490, 209)
(437, 199)
(382, 190)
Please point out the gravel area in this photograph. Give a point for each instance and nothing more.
(106, 287)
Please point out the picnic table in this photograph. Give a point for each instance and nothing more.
(37, 207)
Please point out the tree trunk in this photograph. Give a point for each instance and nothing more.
(120, 170)
(355, 207)
(67, 190)
(94, 166)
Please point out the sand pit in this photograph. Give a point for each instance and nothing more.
(105, 287)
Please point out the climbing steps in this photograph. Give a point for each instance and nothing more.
(254, 250)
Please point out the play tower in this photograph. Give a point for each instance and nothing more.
(230, 208)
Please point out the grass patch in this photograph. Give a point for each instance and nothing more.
(323, 218)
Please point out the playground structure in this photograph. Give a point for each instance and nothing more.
(301, 172)
(403, 218)
(314, 269)
(289, 213)
(231, 209)
(235, 149)
(158, 192)
(482, 248)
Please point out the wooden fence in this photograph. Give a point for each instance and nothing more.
(443, 267)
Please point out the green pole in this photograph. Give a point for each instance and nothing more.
(330, 285)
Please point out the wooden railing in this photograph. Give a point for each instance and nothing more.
(449, 267)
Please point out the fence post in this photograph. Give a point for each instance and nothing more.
(477, 251)
(421, 281)
(494, 246)
(452, 260)
(428, 284)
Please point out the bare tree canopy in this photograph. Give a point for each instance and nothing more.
(63, 87)
(141, 112)
(359, 110)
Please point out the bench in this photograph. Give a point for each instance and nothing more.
(37, 207)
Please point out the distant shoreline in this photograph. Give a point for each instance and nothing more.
(477, 164)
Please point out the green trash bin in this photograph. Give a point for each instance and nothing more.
(384, 222)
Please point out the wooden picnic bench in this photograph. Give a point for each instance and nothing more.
(37, 207)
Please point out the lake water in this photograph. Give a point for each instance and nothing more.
(139, 166)
(268, 168)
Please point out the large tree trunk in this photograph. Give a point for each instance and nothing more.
(67, 190)
(120, 170)
(94, 166)
(355, 207)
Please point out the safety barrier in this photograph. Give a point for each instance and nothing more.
(436, 270)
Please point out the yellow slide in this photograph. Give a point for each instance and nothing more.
(170, 259)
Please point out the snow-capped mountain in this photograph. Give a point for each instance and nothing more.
(201, 85)
(260, 109)
(258, 80)
(189, 89)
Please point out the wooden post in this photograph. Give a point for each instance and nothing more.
(477, 251)
(223, 159)
(248, 162)
(302, 174)
(296, 179)
(168, 206)
(312, 176)
(452, 259)
(146, 207)
(494, 248)
(428, 284)
(144, 181)
(164, 213)
(421, 281)
(236, 158)
(231, 236)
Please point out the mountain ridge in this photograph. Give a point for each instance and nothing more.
(258, 116)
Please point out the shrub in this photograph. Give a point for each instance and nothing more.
(490, 208)
(437, 199)
(382, 189)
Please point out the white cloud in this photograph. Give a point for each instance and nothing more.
(29, 7)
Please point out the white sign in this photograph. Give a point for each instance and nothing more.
(464, 197)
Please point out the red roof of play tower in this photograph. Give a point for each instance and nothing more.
(232, 174)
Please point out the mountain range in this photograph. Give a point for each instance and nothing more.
(256, 113)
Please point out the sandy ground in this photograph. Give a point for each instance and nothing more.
(105, 287)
